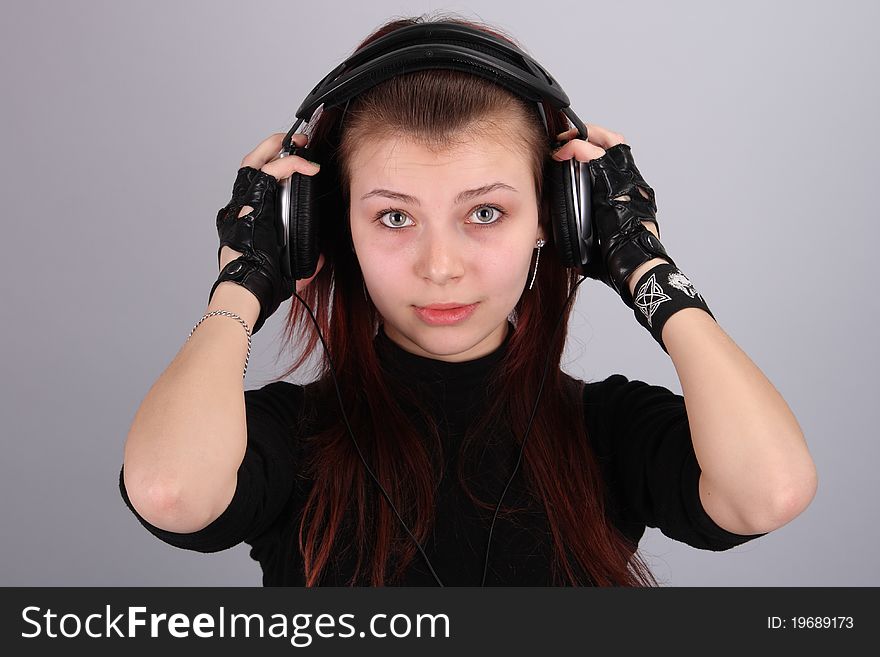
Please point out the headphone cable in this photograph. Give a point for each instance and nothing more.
(528, 429)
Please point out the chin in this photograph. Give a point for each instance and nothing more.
(436, 340)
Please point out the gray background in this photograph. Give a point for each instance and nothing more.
(124, 124)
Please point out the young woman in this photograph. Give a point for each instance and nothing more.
(438, 321)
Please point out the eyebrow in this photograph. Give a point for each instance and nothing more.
(461, 198)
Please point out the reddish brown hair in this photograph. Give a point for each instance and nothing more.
(437, 107)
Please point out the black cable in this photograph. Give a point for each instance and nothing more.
(351, 433)
(528, 429)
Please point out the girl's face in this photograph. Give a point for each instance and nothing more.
(422, 237)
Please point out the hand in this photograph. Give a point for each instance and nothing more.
(250, 237)
(625, 224)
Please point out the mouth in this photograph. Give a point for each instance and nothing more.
(444, 314)
(446, 306)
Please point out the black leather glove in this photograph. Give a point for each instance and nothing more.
(257, 235)
(624, 243)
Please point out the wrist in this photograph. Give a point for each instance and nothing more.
(660, 292)
(634, 277)
(237, 299)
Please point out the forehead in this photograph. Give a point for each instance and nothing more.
(399, 160)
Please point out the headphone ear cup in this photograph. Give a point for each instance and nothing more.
(562, 198)
(303, 238)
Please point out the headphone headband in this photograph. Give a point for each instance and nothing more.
(438, 46)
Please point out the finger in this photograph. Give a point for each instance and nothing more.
(603, 137)
(269, 148)
(286, 166)
(568, 134)
(581, 150)
(297, 139)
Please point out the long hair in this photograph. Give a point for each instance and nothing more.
(436, 107)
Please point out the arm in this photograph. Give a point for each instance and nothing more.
(189, 435)
(757, 473)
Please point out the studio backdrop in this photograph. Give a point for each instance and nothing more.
(124, 124)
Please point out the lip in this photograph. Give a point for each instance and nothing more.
(444, 314)
(446, 306)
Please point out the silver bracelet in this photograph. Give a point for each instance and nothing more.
(227, 313)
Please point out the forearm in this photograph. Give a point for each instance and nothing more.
(748, 442)
(749, 445)
(188, 437)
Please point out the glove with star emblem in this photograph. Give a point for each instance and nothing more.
(621, 201)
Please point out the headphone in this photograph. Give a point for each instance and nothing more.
(439, 45)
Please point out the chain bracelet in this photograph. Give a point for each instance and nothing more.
(227, 313)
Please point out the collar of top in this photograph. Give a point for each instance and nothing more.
(404, 365)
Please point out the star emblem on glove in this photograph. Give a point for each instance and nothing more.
(649, 297)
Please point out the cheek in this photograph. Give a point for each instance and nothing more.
(499, 265)
(387, 278)
(506, 262)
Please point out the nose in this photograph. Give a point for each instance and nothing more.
(440, 256)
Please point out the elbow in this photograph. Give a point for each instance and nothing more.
(162, 509)
(798, 496)
(158, 503)
(154, 502)
(792, 498)
(163, 505)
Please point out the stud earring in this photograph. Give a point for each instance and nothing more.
(538, 245)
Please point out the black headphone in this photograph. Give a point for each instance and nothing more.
(440, 45)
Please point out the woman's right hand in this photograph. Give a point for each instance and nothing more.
(248, 231)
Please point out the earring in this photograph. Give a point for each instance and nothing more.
(538, 244)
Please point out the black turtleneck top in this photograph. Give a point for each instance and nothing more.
(639, 431)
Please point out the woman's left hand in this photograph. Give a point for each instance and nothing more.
(622, 220)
